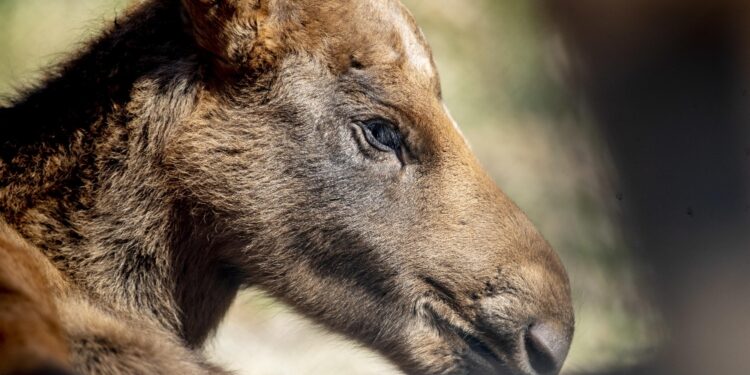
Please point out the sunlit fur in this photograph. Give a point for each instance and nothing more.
(203, 146)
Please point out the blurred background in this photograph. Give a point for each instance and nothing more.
(516, 76)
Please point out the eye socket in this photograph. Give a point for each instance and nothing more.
(383, 135)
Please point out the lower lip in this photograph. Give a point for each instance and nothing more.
(480, 355)
(483, 356)
(480, 348)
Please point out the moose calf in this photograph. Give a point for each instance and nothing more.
(203, 146)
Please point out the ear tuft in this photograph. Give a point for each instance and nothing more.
(228, 29)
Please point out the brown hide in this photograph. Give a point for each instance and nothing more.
(301, 147)
(31, 337)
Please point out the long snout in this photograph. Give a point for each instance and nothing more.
(528, 317)
(516, 304)
(521, 293)
(501, 290)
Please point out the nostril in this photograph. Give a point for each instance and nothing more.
(546, 347)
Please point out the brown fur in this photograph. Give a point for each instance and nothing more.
(204, 146)
(30, 331)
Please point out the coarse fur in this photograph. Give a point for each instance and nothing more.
(198, 147)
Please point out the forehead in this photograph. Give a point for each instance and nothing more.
(406, 39)
(397, 68)
(377, 33)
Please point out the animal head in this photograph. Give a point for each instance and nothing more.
(342, 186)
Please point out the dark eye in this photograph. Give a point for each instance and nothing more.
(382, 134)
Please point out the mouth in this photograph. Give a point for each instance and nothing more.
(477, 356)
(481, 359)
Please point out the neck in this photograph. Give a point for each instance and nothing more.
(81, 177)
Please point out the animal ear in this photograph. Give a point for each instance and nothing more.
(231, 30)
